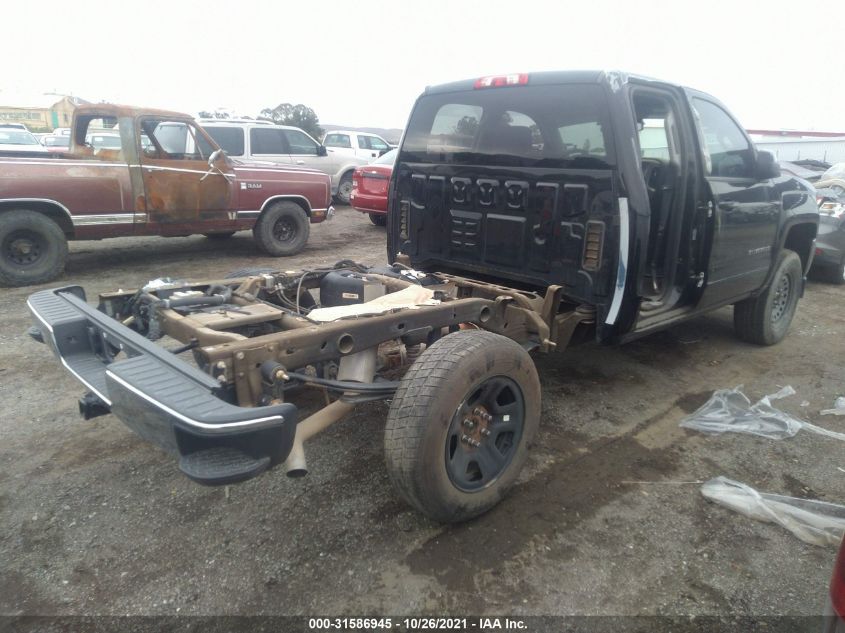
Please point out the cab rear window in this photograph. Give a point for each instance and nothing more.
(526, 126)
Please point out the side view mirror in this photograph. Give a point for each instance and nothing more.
(215, 156)
(321, 150)
(766, 167)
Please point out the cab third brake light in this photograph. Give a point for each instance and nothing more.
(497, 81)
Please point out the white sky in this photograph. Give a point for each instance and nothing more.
(359, 63)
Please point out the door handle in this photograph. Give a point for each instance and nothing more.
(300, 162)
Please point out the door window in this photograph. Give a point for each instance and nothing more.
(364, 142)
(172, 140)
(300, 142)
(338, 140)
(230, 139)
(728, 151)
(377, 144)
(268, 141)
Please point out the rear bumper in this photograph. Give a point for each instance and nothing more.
(319, 215)
(368, 204)
(161, 398)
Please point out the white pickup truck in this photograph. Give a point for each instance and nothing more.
(360, 144)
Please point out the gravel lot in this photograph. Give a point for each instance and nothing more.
(607, 517)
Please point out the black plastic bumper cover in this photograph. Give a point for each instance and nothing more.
(163, 399)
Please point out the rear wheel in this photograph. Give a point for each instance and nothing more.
(765, 319)
(379, 219)
(344, 189)
(33, 248)
(219, 236)
(282, 229)
(459, 427)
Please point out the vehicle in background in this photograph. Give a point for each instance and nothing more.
(263, 141)
(19, 142)
(834, 612)
(833, 179)
(360, 144)
(103, 140)
(56, 144)
(370, 185)
(61, 131)
(800, 171)
(167, 178)
(14, 126)
(829, 262)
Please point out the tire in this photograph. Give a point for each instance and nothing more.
(428, 460)
(282, 229)
(219, 236)
(344, 189)
(379, 219)
(765, 319)
(33, 248)
(249, 272)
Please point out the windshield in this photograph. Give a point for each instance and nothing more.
(387, 158)
(526, 126)
(16, 137)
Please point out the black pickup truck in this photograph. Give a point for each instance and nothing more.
(527, 212)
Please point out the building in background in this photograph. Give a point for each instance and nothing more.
(792, 145)
(41, 112)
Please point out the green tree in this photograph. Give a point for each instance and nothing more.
(298, 115)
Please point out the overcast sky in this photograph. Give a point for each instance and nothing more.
(775, 64)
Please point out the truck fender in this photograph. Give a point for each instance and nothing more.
(796, 234)
(302, 201)
(56, 211)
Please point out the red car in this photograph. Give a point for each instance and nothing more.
(369, 187)
(835, 611)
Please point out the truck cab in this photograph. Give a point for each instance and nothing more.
(359, 144)
(644, 200)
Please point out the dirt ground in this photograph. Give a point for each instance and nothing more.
(607, 517)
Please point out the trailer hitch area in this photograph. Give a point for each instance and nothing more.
(36, 334)
(92, 406)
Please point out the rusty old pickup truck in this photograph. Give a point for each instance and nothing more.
(167, 177)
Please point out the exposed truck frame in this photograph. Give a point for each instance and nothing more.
(445, 332)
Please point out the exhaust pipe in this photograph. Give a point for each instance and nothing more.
(359, 367)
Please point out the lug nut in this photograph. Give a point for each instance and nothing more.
(469, 423)
(485, 432)
(466, 439)
(477, 411)
(487, 417)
